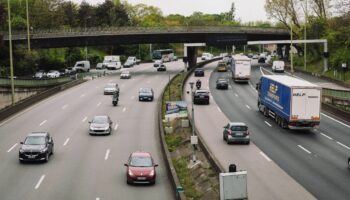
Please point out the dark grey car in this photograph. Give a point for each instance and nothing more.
(221, 83)
(38, 146)
(146, 94)
(236, 132)
(100, 125)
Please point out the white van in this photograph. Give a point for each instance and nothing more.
(207, 56)
(112, 62)
(240, 68)
(82, 66)
(278, 66)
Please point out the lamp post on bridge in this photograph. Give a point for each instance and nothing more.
(28, 27)
(85, 29)
(11, 56)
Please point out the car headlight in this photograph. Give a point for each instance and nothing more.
(151, 173)
(43, 150)
(130, 173)
(21, 150)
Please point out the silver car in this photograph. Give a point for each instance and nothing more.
(111, 88)
(125, 75)
(100, 125)
(236, 132)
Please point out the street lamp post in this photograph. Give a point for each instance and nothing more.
(193, 127)
(11, 57)
(86, 50)
(291, 46)
(306, 17)
(28, 33)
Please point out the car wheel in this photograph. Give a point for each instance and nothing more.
(223, 137)
(228, 142)
(349, 163)
(248, 142)
(52, 150)
(47, 157)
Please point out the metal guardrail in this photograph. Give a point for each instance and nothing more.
(19, 35)
(34, 82)
(340, 94)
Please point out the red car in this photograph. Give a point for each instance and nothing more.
(141, 168)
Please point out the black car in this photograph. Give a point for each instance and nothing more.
(199, 72)
(201, 97)
(38, 146)
(221, 83)
(161, 68)
(146, 94)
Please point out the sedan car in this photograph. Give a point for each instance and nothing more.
(111, 88)
(38, 146)
(39, 75)
(128, 64)
(222, 83)
(236, 132)
(100, 125)
(222, 67)
(161, 68)
(157, 63)
(199, 72)
(125, 75)
(201, 97)
(140, 168)
(53, 74)
(146, 94)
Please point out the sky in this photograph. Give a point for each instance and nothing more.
(246, 10)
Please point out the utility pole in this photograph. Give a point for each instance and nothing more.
(11, 56)
(291, 46)
(306, 19)
(28, 33)
(193, 126)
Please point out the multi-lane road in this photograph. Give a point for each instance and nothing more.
(84, 166)
(316, 159)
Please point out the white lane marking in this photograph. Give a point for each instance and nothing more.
(265, 156)
(268, 124)
(85, 118)
(107, 154)
(211, 96)
(343, 145)
(335, 120)
(133, 97)
(83, 95)
(208, 88)
(248, 107)
(10, 149)
(64, 107)
(124, 109)
(99, 103)
(236, 94)
(326, 136)
(261, 71)
(219, 109)
(97, 198)
(39, 182)
(301, 147)
(42, 123)
(229, 87)
(116, 127)
(66, 142)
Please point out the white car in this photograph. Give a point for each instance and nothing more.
(125, 75)
(207, 56)
(53, 74)
(113, 65)
(111, 88)
(157, 63)
(278, 66)
(100, 66)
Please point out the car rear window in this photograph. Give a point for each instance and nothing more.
(239, 128)
(141, 161)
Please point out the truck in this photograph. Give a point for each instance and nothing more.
(112, 62)
(278, 66)
(240, 68)
(82, 66)
(293, 103)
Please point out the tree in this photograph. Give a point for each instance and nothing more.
(231, 13)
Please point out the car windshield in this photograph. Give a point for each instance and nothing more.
(139, 161)
(100, 120)
(126, 73)
(222, 81)
(35, 140)
(239, 128)
(145, 90)
(110, 86)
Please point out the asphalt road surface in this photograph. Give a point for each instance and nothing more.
(84, 166)
(317, 159)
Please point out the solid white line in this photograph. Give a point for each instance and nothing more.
(307, 151)
(64, 107)
(219, 109)
(326, 136)
(248, 107)
(39, 182)
(66, 142)
(268, 123)
(116, 127)
(261, 71)
(343, 145)
(236, 94)
(42, 123)
(335, 120)
(107, 154)
(10, 149)
(124, 109)
(85, 118)
(265, 156)
(99, 103)
(97, 198)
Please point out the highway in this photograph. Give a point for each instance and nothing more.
(316, 159)
(84, 166)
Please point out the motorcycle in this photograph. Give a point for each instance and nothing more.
(198, 84)
(115, 101)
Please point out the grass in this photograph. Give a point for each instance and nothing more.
(173, 141)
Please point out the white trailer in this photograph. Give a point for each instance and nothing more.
(240, 68)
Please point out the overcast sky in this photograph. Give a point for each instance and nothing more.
(246, 10)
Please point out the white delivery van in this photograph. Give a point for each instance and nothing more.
(278, 66)
(82, 66)
(112, 62)
(240, 68)
(207, 56)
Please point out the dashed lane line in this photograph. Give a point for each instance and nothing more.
(324, 135)
(268, 124)
(343, 145)
(39, 182)
(116, 127)
(248, 107)
(10, 149)
(304, 149)
(66, 142)
(265, 156)
(107, 154)
(83, 120)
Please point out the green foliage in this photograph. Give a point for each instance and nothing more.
(173, 141)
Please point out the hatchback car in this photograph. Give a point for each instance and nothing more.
(100, 125)
(146, 94)
(201, 97)
(53, 74)
(141, 168)
(39, 75)
(111, 88)
(199, 72)
(222, 83)
(125, 75)
(161, 68)
(38, 146)
(236, 132)
(157, 63)
(222, 67)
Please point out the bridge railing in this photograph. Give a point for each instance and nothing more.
(5, 82)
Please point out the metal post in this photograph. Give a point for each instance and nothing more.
(193, 127)
(325, 60)
(306, 17)
(291, 47)
(11, 58)
(28, 33)
(150, 51)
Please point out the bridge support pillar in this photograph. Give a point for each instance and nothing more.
(191, 57)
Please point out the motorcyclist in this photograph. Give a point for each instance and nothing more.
(115, 97)
(198, 84)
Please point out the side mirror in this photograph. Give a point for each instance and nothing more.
(155, 165)
(126, 165)
(21, 143)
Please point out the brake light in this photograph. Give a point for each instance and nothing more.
(315, 118)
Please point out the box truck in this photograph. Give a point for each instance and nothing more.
(112, 62)
(240, 68)
(293, 103)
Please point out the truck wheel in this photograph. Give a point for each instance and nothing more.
(266, 112)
